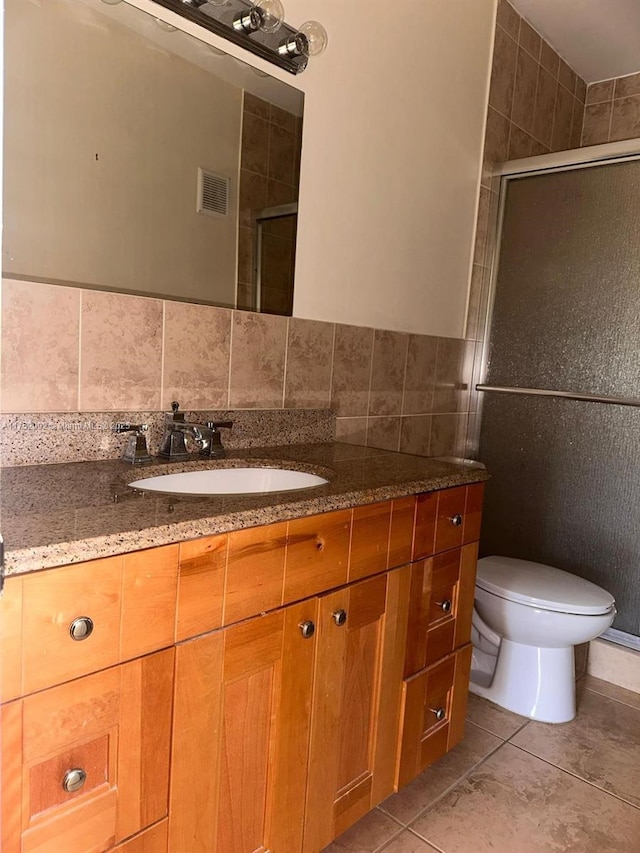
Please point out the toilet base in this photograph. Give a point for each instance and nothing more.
(535, 682)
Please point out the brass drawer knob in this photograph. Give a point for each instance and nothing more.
(456, 520)
(340, 617)
(439, 713)
(445, 606)
(307, 629)
(74, 780)
(81, 628)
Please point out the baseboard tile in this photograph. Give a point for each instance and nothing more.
(614, 663)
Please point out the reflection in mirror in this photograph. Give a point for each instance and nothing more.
(143, 160)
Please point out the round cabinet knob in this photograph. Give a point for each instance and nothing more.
(439, 713)
(445, 606)
(74, 780)
(340, 617)
(456, 520)
(307, 629)
(81, 628)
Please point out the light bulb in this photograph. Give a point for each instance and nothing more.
(271, 14)
(310, 40)
(316, 36)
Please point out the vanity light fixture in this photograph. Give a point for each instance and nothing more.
(258, 26)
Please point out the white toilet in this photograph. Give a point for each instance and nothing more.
(526, 620)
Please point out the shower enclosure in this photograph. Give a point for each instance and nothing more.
(560, 394)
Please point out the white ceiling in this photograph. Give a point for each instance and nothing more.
(598, 38)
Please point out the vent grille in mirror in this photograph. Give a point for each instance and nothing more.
(213, 193)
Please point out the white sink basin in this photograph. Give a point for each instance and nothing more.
(230, 481)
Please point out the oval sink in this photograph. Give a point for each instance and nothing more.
(230, 481)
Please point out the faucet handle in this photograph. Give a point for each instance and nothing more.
(175, 414)
(126, 427)
(214, 425)
(136, 449)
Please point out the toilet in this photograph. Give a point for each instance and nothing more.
(527, 618)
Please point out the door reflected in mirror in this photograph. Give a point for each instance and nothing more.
(142, 160)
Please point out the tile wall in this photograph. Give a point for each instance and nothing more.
(269, 176)
(612, 112)
(71, 350)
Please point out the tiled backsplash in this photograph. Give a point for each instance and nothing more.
(612, 112)
(67, 350)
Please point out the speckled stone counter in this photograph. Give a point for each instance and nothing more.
(53, 515)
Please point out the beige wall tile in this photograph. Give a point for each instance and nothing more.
(415, 434)
(196, 356)
(538, 148)
(524, 98)
(252, 196)
(577, 121)
(625, 86)
(496, 143)
(120, 352)
(281, 154)
(597, 119)
(383, 433)
(508, 18)
(503, 72)
(625, 118)
(567, 76)
(40, 336)
(351, 430)
(545, 107)
(352, 353)
(530, 40)
(482, 225)
(420, 375)
(602, 91)
(519, 146)
(448, 435)
(581, 89)
(562, 119)
(256, 106)
(454, 362)
(309, 361)
(258, 343)
(255, 144)
(549, 59)
(475, 298)
(387, 372)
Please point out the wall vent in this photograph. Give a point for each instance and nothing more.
(213, 193)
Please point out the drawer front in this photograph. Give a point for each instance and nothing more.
(403, 511)
(58, 604)
(317, 554)
(433, 711)
(450, 518)
(201, 571)
(255, 571)
(149, 587)
(11, 640)
(425, 530)
(95, 757)
(473, 513)
(369, 540)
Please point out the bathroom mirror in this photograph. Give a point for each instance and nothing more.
(140, 159)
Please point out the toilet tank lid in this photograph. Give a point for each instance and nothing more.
(542, 586)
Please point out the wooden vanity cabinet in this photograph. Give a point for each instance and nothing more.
(259, 690)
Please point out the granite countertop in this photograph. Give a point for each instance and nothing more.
(53, 515)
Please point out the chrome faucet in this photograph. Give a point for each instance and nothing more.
(205, 436)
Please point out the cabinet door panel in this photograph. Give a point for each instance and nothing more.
(241, 731)
(11, 640)
(348, 773)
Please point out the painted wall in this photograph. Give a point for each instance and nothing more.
(392, 139)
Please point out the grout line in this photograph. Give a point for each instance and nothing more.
(372, 352)
(430, 843)
(162, 352)
(611, 118)
(333, 350)
(80, 347)
(232, 313)
(612, 698)
(575, 776)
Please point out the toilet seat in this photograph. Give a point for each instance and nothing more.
(545, 587)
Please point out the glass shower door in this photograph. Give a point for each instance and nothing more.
(566, 318)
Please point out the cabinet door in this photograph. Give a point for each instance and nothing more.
(90, 765)
(356, 704)
(241, 736)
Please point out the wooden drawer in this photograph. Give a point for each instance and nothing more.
(440, 606)
(473, 513)
(434, 704)
(201, 573)
(317, 554)
(403, 511)
(53, 601)
(369, 540)
(450, 518)
(113, 729)
(255, 571)
(425, 529)
(11, 640)
(84, 618)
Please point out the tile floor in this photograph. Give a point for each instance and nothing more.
(515, 786)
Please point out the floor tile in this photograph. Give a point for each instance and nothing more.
(493, 718)
(605, 688)
(407, 842)
(601, 745)
(516, 803)
(434, 781)
(366, 836)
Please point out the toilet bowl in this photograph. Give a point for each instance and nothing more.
(527, 618)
